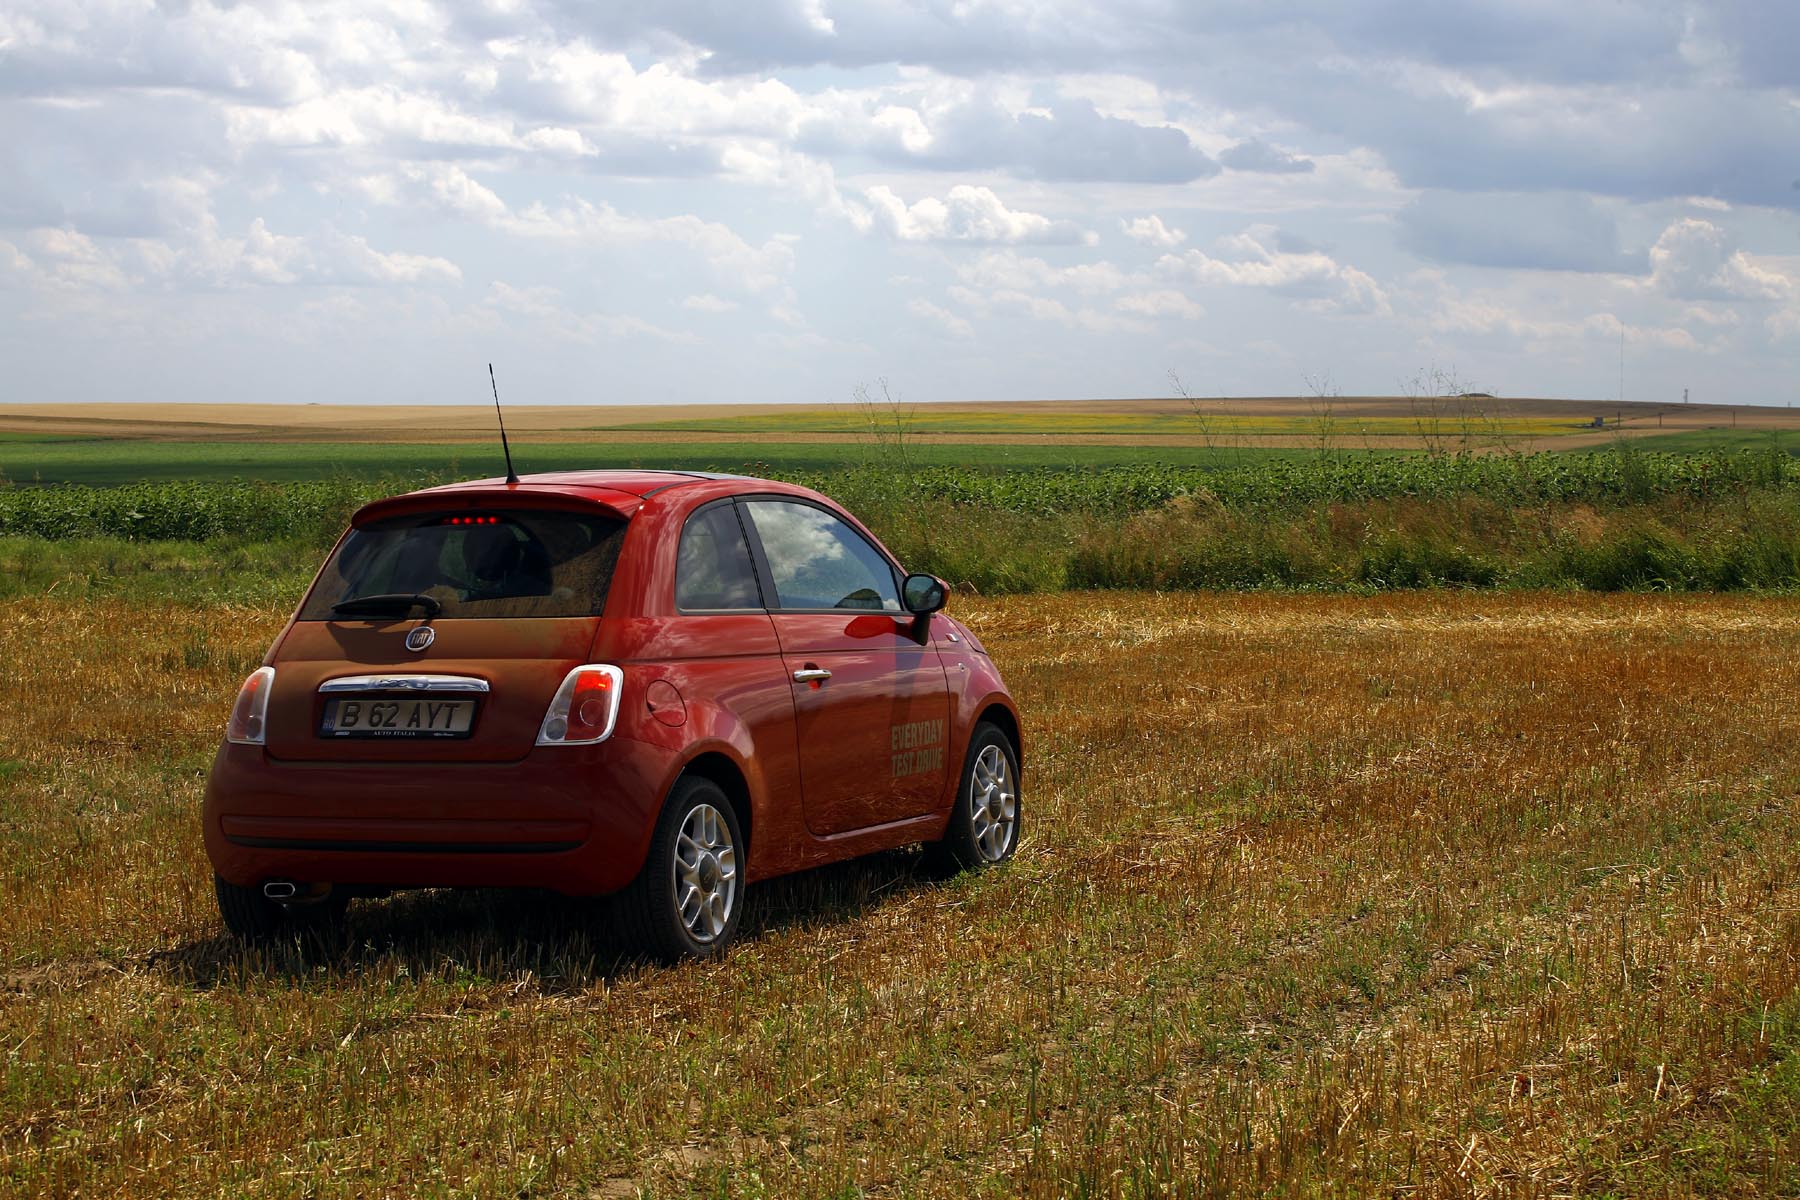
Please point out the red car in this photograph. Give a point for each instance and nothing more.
(660, 683)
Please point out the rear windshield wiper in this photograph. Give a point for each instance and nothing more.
(387, 604)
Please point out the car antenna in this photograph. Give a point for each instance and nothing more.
(512, 476)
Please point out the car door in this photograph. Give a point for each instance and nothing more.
(871, 703)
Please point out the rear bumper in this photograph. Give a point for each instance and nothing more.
(572, 819)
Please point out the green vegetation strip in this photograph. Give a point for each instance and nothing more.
(204, 508)
(1323, 423)
(1618, 521)
(37, 461)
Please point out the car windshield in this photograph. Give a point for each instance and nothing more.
(459, 565)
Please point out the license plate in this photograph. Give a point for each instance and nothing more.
(379, 717)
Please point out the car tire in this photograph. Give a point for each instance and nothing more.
(986, 820)
(687, 899)
(251, 916)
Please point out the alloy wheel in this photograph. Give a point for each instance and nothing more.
(706, 875)
(993, 803)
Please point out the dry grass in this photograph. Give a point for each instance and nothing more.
(1480, 894)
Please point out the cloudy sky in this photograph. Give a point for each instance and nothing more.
(710, 200)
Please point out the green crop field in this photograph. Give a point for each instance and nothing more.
(1605, 522)
(46, 459)
(1166, 424)
(1706, 441)
(119, 461)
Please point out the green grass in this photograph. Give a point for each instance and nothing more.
(1708, 441)
(266, 574)
(113, 462)
(1749, 1142)
(1739, 541)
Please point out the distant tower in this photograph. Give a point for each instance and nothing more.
(1621, 362)
(1684, 398)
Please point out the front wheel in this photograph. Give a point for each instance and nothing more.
(686, 901)
(984, 825)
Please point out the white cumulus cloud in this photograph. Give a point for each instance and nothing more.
(1695, 260)
(965, 214)
(1150, 231)
(578, 221)
(942, 317)
(1257, 258)
(1164, 302)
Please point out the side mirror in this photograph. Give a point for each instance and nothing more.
(923, 594)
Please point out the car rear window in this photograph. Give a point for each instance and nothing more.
(502, 564)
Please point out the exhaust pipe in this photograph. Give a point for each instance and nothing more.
(280, 889)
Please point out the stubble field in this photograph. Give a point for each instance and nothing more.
(1418, 894)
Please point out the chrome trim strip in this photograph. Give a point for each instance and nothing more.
(404, 683)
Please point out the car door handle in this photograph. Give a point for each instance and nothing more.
(812, 675)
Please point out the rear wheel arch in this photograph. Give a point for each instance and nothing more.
(687, 899)
(721, 770)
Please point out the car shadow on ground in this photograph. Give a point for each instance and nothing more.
(558, 944)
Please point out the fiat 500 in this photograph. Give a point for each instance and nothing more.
(665, 685)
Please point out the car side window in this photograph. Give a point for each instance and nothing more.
(712, 568)
(817, 561)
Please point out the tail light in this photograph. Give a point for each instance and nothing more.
(585, 707)
(249, 714)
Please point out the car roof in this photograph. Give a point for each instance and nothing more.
(632, 481)
(622, 490)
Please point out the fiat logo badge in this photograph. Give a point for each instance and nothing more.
(420, 638)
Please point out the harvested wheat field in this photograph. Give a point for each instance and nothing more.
(1423, 894)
